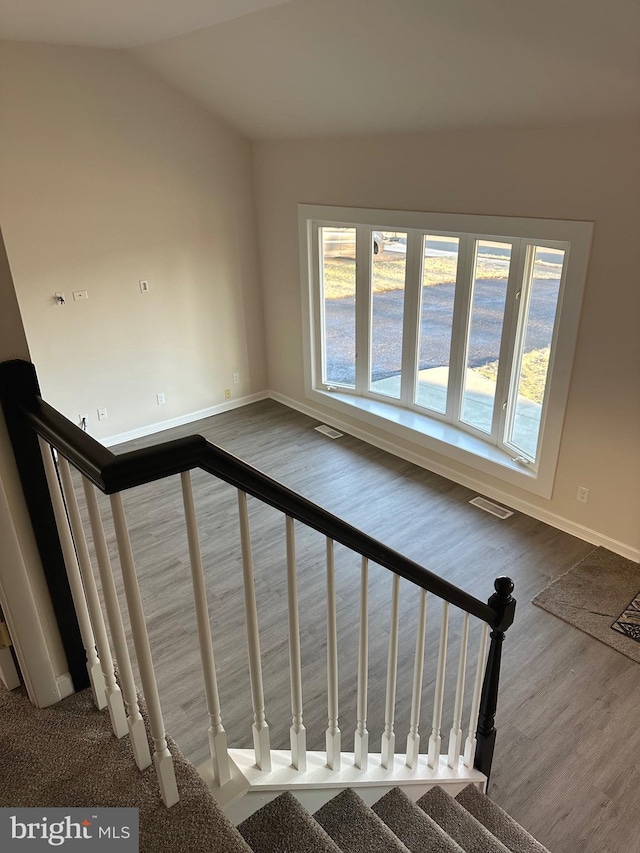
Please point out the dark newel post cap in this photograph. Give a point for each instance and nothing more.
(504, 586)
(18, 381)
(502, 602)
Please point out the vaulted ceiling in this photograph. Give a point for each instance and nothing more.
(286, 68)
(116, 23)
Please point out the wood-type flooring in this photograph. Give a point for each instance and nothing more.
(566, 760)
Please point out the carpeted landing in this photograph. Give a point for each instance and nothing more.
(437, 823)
(66, 756)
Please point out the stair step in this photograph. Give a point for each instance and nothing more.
(355, 827)
(413, 826)
(437, 823)
(498, 822)
(285, 825)
(468, 832)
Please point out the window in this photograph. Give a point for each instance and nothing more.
(456, 332)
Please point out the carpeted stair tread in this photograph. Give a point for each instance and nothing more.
(468, 832)
(285, 826)
(355, 827)
(498, 822)
(413, 826)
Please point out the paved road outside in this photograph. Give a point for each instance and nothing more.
(435, 327)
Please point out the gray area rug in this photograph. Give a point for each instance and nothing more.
(594, 595)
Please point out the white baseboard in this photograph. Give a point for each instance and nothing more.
(551, 518)
(587, 534)
(160, 426)
(65, 685)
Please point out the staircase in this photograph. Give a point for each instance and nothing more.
(50, 452)
(437, 823)
(68, 741)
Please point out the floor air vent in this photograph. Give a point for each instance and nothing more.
(489, 506)
(327, 430)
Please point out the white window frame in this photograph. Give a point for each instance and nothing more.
(402, 418)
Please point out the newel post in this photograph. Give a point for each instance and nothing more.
(504, 605)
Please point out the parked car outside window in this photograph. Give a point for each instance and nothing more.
(341, 242)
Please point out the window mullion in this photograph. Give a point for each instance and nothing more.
(411, 321)
(363, 308)
(317, 330)
(504, 380)
(461, 309)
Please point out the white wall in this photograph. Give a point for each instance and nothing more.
(585, 172)
(23, 591)
(110, 176)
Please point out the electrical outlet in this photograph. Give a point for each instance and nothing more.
(80, 294)
(102, 414)
(161, 398)
(227, 393)
(236, 378)
(582, 494)
(144, 285)
(59, 297)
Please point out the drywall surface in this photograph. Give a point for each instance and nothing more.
(586, 172)
(23, 589)
(111, 177)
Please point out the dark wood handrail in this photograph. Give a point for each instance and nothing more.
(112, 473)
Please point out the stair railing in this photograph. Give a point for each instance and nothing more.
(47, 446)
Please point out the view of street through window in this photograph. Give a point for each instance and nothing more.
(484, 335)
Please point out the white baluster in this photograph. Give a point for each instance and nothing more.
(297, 732)
(135, 723)
(470, 747)
(455, 736)
(162, 759)
(260, 725)
(438, 700)
(361, 737)
(389, 736)
(117, 713)
(216, 732)
(96, 678)
(333, 735)
(413, 738)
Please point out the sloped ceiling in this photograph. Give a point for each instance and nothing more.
(337, 67)
(116, 23)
